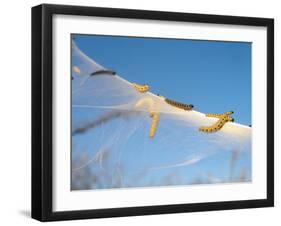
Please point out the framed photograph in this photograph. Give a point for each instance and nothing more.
(145, 112)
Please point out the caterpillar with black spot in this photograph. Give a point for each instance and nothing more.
(187, 107)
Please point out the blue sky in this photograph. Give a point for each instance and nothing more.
(213, 76)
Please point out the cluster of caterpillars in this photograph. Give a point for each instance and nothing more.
(222, 119)
(144, 88)
(187, 107)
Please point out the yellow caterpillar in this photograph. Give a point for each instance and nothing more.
(141, 88)
(76, 69)
(223, 118)
(155, 120)
(187, 107)
(150, 105)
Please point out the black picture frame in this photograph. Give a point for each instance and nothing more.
(42, 107)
